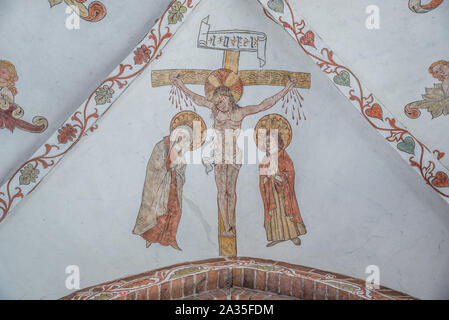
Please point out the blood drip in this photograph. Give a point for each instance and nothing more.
(292, 102)
(180, 100)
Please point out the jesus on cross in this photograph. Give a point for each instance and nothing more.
(228, 117)
(223, 89)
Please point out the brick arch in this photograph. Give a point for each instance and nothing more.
(236, 278)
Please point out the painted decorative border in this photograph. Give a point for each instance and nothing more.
(26, 178)
(239, 272)
(419, 156)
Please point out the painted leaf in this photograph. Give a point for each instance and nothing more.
(28, 175)
(435, 100)
(343, 79)
(176, 13)
(276, 5)
(407, 145)
(104, 95)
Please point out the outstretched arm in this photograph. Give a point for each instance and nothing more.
(271, 101)
(198, 99)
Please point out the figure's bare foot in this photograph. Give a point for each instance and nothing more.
(273, 243)
(175, 246)
(296, 241)
(149, 244)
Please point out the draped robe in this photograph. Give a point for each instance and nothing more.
(283, 219)
(160, 210)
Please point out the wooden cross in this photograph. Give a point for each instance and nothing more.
(228, 245)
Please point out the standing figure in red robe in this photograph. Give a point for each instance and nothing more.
(283, 219)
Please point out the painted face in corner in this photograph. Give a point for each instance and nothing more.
(441, 70)
(4, 76)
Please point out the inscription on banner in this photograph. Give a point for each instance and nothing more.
(233, 40)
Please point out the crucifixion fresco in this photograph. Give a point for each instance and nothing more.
(223, 89)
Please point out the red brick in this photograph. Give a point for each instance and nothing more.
(205, 296)
(189, 286)
(297, 288)
(249, 276)
(285, 285)
(274, 298)
(353, 297)
(200, 282)
(279, 298)
(273, 282)
(320, 291)
(236, 277)
(258, 296)
(153, 293)
(142, 294)
(220, 294)
(227, 291)
(212, 280)
(268, 296)
(131, 296)
(165, 291)
(224, 278)
(332, 293)
(309, 287)
(261, 280)
(236, 292)
(247, 294)
(176, 288)
(343, 295)
(226, 273)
